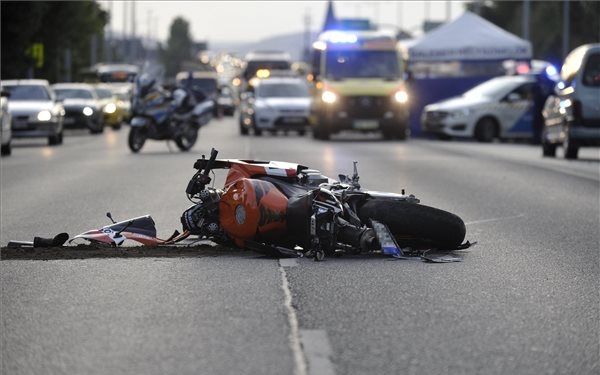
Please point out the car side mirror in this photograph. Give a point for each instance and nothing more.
(5, 93)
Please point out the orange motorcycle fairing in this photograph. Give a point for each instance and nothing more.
(252, 209)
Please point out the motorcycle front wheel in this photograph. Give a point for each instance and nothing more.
(187, 139)
(137, 138)
(416, 225)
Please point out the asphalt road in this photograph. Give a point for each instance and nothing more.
(524, 300)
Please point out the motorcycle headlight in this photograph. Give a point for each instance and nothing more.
(88, 111)
(401, 96)
(329, 97)
(44, 116)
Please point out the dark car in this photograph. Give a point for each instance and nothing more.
(572, 114)
(83, 108)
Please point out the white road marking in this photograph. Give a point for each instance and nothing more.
(494, 219)
(295, 344)
(317, 351)
(288, 262)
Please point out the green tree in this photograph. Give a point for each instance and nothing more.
(58, 26)
(179, 47)
(546, 23)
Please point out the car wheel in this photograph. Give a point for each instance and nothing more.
(97, 129)
(6, 149)
(570, 148)
(486, 130)
(56, 139)
(548, 149)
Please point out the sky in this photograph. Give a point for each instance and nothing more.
(251, 21)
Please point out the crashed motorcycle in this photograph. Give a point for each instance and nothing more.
(284, 208)
(288, 209)
(160, 114)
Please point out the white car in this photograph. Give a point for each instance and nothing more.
(276, 103)
(35, 110)
(501, 107)
(5, 122)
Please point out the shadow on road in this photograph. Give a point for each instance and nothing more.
(90, 251)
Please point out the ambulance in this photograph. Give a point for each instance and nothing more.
(358, 84)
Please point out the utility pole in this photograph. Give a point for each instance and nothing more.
(124, 36)
(525, 20)
(307, 37)
(133, 41)
(566, 29)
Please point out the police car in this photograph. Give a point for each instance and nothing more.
(501, 107)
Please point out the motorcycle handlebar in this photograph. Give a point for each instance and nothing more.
(201, 178)
(211, 161)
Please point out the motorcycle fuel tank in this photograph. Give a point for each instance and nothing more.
(253, 209)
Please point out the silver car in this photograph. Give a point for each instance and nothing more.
(277, 103)
(501, 107)
(5, 120)
(35, 110)
(572, 115)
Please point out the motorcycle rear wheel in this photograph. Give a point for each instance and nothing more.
(136, 139)
(188, 138)
(416, 225)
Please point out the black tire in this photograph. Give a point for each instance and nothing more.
(97, 128)
(243, 128)
(6, 149)
(188, 137)
(548, 149)
(321, 132)
(56, 139)
(416, 225)
(486, 130)
(570, 148)
(136, 139)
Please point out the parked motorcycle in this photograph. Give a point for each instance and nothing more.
(288, 208)
(160, 114)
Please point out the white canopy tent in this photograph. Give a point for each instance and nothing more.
(467, 38)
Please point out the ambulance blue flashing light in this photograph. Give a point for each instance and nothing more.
(340, 37)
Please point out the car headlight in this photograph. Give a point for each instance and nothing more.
(401, 96)
(88, 111)
(44, 116)
(461, 112)
(110, 108)
(329, 97)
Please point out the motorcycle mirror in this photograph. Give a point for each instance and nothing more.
(110, 217)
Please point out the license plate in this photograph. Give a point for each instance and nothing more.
(68, 121)
(19, 124)
(293, 120)
(365, 124)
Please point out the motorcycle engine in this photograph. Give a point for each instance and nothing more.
(203, 218)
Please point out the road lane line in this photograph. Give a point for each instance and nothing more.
(494, 219)
(294, 337)
(288, 262)
(317, 351)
